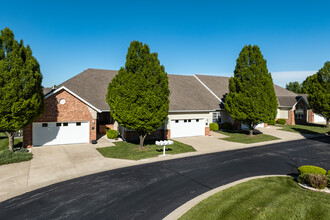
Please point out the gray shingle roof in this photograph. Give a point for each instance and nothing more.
(46, 90)
(287, 101)
(187, 93)
(91, 85)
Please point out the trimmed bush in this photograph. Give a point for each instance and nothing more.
(112, 134)
(311, 169)
(281, 121)
(214, 127)
(272, 122)
(317, 181)
(227, 126)
(7, 156)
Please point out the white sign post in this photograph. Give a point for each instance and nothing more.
(163, 143)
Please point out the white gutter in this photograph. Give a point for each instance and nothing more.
(208, 89)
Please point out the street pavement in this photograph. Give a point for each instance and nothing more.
(153, 190)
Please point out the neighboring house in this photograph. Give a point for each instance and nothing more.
(76, 110)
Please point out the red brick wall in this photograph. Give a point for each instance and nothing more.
(310, 116)
(290, 120)
(72, 110)
(103, 128)
(207, 131)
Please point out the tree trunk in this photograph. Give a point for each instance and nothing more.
(10, 136)
(327, 123)
(142, 137)
(251, 132)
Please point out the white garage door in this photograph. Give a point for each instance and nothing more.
(53, 133)
(187, 127)
(319, 119)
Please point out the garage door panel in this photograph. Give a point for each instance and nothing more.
(187, 127)
(60, 133)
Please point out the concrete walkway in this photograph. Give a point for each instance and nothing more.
(51, 164)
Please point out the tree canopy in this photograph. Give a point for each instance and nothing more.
(317, 87)
(295, 87)
(138, 94)
(251, 99)
(21, 96)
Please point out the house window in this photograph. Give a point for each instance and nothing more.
(44, 125)
(65, 124)
(185, 120)
(78, 123)
(189, 120)
(58, 124)
(299, 114)
(176, 121)
(216, 118)
(197, 120)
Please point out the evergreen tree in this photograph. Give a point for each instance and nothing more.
(318, 88)
(21, 96)
(295, 87)
(138, 95)
(251, 99)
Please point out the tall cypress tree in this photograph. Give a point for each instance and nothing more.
(138, 95)
(21, 96)
(318, 88)
(251, 99)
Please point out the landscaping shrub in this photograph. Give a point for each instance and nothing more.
(7, 156)
(317, 181)
(227, 126)
(272, 122)
(281, 121)
(311, 169)
(112, 134)
(214, 127)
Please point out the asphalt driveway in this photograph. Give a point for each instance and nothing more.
(152, 191)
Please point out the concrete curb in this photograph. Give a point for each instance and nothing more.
(177, 213)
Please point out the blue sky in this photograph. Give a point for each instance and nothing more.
(190, 37)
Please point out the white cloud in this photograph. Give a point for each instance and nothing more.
(283, 78)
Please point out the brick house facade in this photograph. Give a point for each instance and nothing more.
(71, 111)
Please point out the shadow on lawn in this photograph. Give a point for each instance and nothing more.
(166, 149)
(256, 131)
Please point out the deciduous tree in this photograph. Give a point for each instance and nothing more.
(21, 96)
(251, 99)
(318, 88)
(138, 95)
(294, 87)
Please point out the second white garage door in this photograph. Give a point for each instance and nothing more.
(54, 133)
(187, 127)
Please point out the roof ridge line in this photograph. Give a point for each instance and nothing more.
(208, 89)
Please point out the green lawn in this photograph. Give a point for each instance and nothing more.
(242, 136)
(4, 142)
(267, 198)
(18, 155)
(125, 150)
(306, 129)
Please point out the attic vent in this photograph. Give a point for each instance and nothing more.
(62, 101)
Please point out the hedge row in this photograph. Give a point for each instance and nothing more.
(7, 156)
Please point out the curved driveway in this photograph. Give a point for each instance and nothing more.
(152, 191)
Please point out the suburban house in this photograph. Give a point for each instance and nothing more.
(76, 110)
